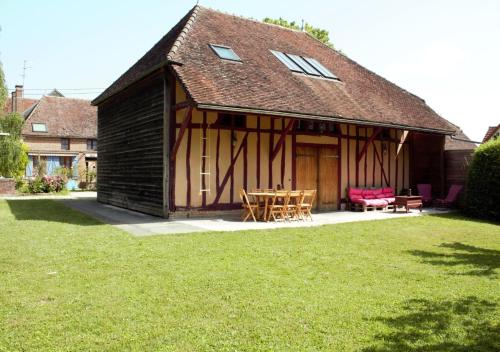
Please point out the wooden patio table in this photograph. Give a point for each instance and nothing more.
(408, 202)
(264, 197)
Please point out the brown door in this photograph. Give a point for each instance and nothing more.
(317, 169)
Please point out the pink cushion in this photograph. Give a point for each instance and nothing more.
(388, 195)
(353, 191)
(377, 191)
(388, 191)
(368, 194)
(355, 196)
(390, 200)
(374, 202)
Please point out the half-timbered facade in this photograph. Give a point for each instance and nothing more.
(222, 103)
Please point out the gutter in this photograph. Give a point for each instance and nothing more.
(464, 140)
(319, 117)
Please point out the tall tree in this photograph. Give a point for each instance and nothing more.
(321, 34)
(3, 90)
(13, 152)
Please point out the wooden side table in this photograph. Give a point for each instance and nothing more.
(409, 202)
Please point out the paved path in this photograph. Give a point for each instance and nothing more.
(139, 224)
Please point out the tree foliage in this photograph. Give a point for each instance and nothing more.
(321, 34)
(13, 152)
(483, 184)
(3, 90)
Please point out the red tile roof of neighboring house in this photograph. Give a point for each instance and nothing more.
(491, 131)
(25, 104)
(261, 83)
(64, 117)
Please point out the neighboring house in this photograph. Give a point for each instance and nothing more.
(61, 131)
(223, 102)
(492, 133)
(458, 150)
(17, 102)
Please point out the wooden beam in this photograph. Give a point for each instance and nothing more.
(368, 142)
(172, 134)
(381, 162)
(283, 157)
(357, 152)
(204, 162)
(230, 170)
(181, 105)
(401, 141)
(185, 122)
(271, 147)
(188, 168)
(258, 152)
(217, 157)
(167, 118)
(282, 139)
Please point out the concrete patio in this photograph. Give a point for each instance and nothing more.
(139, 224)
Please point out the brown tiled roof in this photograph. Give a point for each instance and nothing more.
(262, 83)
(26, 103)
(64, 117)
(491, 131)
(459, 141)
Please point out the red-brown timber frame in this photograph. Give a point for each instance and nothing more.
(187, 118)
(230, 170)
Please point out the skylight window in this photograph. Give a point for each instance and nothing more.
(225, 52)
(319, 67)
(39, 127)
(302, 64)
(292, 66)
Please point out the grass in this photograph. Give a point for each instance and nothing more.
(70, 283)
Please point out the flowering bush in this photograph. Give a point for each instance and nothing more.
(45, 184)
(52, 184)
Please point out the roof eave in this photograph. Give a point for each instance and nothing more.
(101, 98)
(320, 117)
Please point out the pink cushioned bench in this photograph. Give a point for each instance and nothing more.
(370, 198)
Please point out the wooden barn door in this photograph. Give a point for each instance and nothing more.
(317, 169)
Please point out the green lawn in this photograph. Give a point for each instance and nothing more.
(68, 282)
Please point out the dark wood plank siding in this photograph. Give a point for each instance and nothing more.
(457, 166)
(428, 161)
(130, 159)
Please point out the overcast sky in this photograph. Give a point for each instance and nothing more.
(445, 51)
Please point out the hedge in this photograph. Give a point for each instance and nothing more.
(482, 198)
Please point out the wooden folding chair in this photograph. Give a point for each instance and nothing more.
(248, 207)
(307, 204)
(292, 211)
(278, 206)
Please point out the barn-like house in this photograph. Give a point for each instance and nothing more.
(223, 102)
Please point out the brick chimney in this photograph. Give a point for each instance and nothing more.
(17, 98)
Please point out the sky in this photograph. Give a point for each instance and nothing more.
(445, 51)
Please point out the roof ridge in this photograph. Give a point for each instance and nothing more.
(72, 98)
(182, 35)
(250, 19)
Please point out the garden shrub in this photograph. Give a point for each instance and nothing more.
(35, 186)
(45, 184)
(52, 184)
(482, 198)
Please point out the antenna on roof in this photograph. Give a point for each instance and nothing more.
(24, 71)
